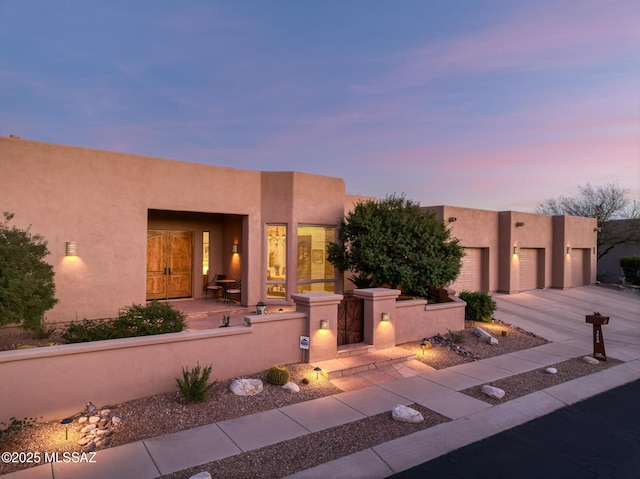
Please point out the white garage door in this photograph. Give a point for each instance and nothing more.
(577, 266)
(528, 268)
(470, 278)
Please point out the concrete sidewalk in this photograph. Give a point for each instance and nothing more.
(556, 315)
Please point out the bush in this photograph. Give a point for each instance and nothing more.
(195, 383)
(480, 306)
(631, 269)
(27, 289)
(134, 320)
(278, 375)
(15, 426)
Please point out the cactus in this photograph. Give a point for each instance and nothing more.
(278, 375)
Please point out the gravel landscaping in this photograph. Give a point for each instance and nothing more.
(167, 413)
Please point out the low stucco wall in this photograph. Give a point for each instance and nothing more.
(57, 381)
(416, 319)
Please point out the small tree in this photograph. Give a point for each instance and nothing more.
(631, 269)
(394, 242)
(27, 288)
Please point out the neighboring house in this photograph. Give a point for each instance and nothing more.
(619, 239)
(126, 228)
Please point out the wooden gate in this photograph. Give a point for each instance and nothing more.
(350, 320)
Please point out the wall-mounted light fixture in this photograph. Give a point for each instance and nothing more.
(384, 317)
(324, 324)
(597, 230)
(568, 249)
(519, 224)
(515, 250)
(71, 248)
(234, 248)
(452, 219)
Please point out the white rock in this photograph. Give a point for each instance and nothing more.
(115, 420)
(201, 475)
(293, 387)
(246, 387)
(82, 419)
(88, 428)
(403, 413)
(105, 412)
(551, 370)
(94, 419)
(492, 391)
(590, 360)
(482, 334)
(84, 441)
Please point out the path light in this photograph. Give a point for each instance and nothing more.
(66, 421)
(317, 369)
(423, 345)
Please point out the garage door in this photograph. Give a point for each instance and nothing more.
(470, 278)
(577, 267)
(528, 268)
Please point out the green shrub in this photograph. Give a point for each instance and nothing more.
(194, 383)
(480, 306)
(27, 289)
(631, 269)
(278, 375)
(134, 320)
(456, 337)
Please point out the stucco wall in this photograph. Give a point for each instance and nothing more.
(55, 382)
(416, 319)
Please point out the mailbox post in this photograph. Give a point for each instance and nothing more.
(598, 340)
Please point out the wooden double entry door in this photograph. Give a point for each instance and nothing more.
(169, 264)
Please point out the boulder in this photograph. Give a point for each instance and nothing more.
(94, 419)
(246, 387)
(403, 413)
(482, 334)
(492, 391)
(551, 370)
(590, 360)
(292, 387)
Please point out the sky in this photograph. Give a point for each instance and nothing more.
(495, 104)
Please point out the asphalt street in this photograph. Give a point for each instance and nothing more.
(595, 438)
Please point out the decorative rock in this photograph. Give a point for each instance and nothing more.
(551, 370)
(246, 387)
(292, 387)
(94, 419)
(90, 407)
(492, 391)
(201, 475)
(482, 334)
(590, 360)
(105, 412)
(84, 441)
(115, 420)
(406, 414)
(88, 428)
(82, 419)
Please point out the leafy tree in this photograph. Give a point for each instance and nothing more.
(604, 203)
(27, 288)
(394, 242)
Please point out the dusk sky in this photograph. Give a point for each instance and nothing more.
(493, 104)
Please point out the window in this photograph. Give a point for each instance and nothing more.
(276, 261)
(315, 273)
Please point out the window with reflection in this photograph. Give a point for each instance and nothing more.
(315, 273)
(276, 261)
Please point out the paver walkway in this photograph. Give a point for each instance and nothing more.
(438, 390)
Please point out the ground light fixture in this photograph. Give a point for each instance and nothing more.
(66, 421)
(317, 369)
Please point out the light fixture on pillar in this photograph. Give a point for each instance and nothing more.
(519, 224)
(71, 248)
(234, 248)
(324, 324)
(515, 250)
(568, 249)
(385, 317)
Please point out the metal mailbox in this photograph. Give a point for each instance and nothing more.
(598, 339)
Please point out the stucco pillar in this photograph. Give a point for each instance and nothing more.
(318, 307)
(378, 301)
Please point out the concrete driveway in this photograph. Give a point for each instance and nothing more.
(559, 316)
